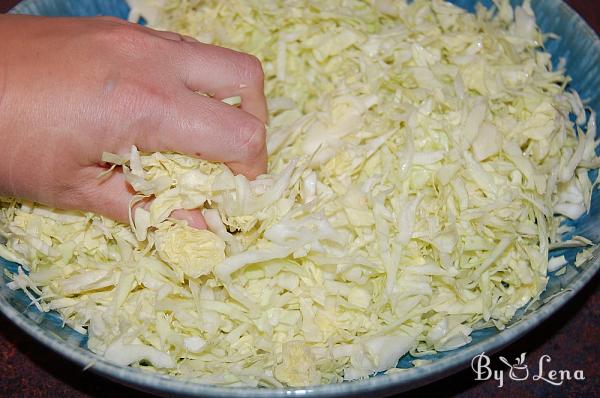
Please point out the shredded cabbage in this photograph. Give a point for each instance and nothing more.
(421, 163)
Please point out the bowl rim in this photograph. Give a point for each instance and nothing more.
(403, 380)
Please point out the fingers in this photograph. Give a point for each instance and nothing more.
(214, 70)
(111, 197)
(210, 129)
(159, 33)
(194, 218)
(166, 35)
(224, 73)
(197, 125)
(171, 35)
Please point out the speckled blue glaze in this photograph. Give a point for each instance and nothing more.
(578, 44)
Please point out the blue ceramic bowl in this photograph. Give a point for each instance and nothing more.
(578, 44)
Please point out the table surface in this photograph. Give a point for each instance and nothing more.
(571, 338)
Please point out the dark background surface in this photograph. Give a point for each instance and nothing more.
(571, 338)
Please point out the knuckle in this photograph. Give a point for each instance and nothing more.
(134, 94)
(123, 38)
(142, 107)
(133, 108)
(252, 69)
(252, 138)
(142, 95)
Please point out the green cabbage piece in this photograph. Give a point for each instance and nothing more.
(421, 163)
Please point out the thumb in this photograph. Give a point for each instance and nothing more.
(111, 197)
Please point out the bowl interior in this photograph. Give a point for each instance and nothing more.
(580, 47)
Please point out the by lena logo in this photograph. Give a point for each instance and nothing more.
(519, 371)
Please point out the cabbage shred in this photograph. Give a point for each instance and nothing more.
(421, 162)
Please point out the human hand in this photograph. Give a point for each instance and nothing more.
(73, 88)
